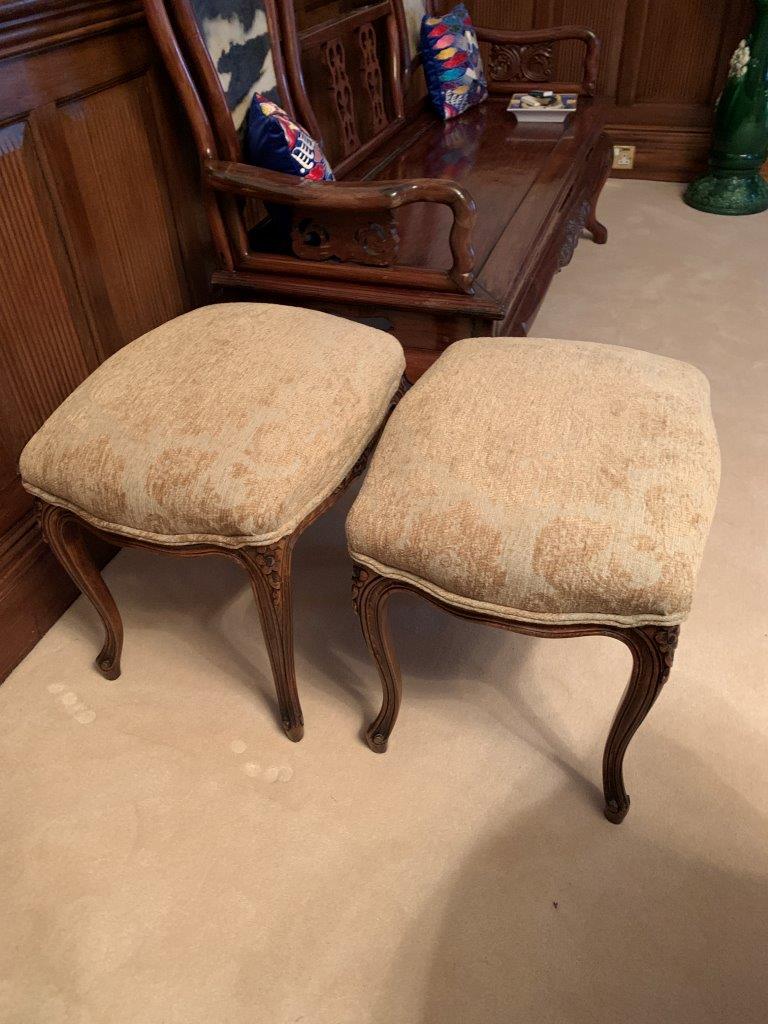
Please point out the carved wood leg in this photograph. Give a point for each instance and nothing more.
(269, 569)
(599, 231)
(653, 649)
(370, 593)
(62, 531)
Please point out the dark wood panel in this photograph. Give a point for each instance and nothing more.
(102, 237)
(502, 13)
(46, 349)
(671, 73)
(115, 152)
(605, 17)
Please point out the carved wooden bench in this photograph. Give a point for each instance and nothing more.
(433, 231)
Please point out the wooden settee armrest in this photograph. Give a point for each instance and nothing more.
(518, 40)
(275, 187)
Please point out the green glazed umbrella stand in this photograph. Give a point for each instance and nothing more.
(733, 185)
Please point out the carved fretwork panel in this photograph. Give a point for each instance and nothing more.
(346, 236)
(374, 84)
(510, 63)
(334, 58)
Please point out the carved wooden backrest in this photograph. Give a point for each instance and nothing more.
(564, 59)
(346, 64)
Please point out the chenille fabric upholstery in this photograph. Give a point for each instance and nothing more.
(545, 481)
(228, 425)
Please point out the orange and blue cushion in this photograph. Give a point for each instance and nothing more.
(452, 62)
(274, 141)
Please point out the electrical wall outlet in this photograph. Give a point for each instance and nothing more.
(623, 158)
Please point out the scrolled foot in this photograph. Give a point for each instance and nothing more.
(376, 740)
(615, 812)
(108, 665)
(293, 730)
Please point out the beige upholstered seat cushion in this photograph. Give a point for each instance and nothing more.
(229, 424)
(546, 481)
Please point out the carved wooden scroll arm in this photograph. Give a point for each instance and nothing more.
(543, 36)
(272, 186)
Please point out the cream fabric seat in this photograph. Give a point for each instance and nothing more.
(545, 481)
(227, 425)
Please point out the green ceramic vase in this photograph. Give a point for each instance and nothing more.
(734, 185)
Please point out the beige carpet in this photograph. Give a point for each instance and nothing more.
(168, 857)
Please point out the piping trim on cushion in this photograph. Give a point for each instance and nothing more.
(470, 604)
(223, 540)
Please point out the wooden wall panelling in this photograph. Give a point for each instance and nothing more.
(46, 350)
(116, 154)
(501, 13)
(671, 74)
(102, 237)
(47, 347)
(605, 17)
(663, 66)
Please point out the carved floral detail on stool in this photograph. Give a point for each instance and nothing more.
(360, 577)
(666, 641)
(269, 561)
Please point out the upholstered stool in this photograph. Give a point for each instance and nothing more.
(226, 431)
(553, 488)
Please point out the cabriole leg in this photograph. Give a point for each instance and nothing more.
(370, 593)
(653, 649)
(63, 532)
(269, 569)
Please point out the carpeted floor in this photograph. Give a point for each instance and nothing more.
(168, 857)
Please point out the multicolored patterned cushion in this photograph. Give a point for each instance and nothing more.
(452, 62)
(274, 141)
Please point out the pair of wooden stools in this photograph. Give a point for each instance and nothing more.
(553, 488)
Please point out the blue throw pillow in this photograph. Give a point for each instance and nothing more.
(452, 62)
(272, 140)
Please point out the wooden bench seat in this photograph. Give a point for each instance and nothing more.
(433, 231)
(533, 186)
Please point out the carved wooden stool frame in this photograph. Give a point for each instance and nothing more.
(653, 649)
(268, 567)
